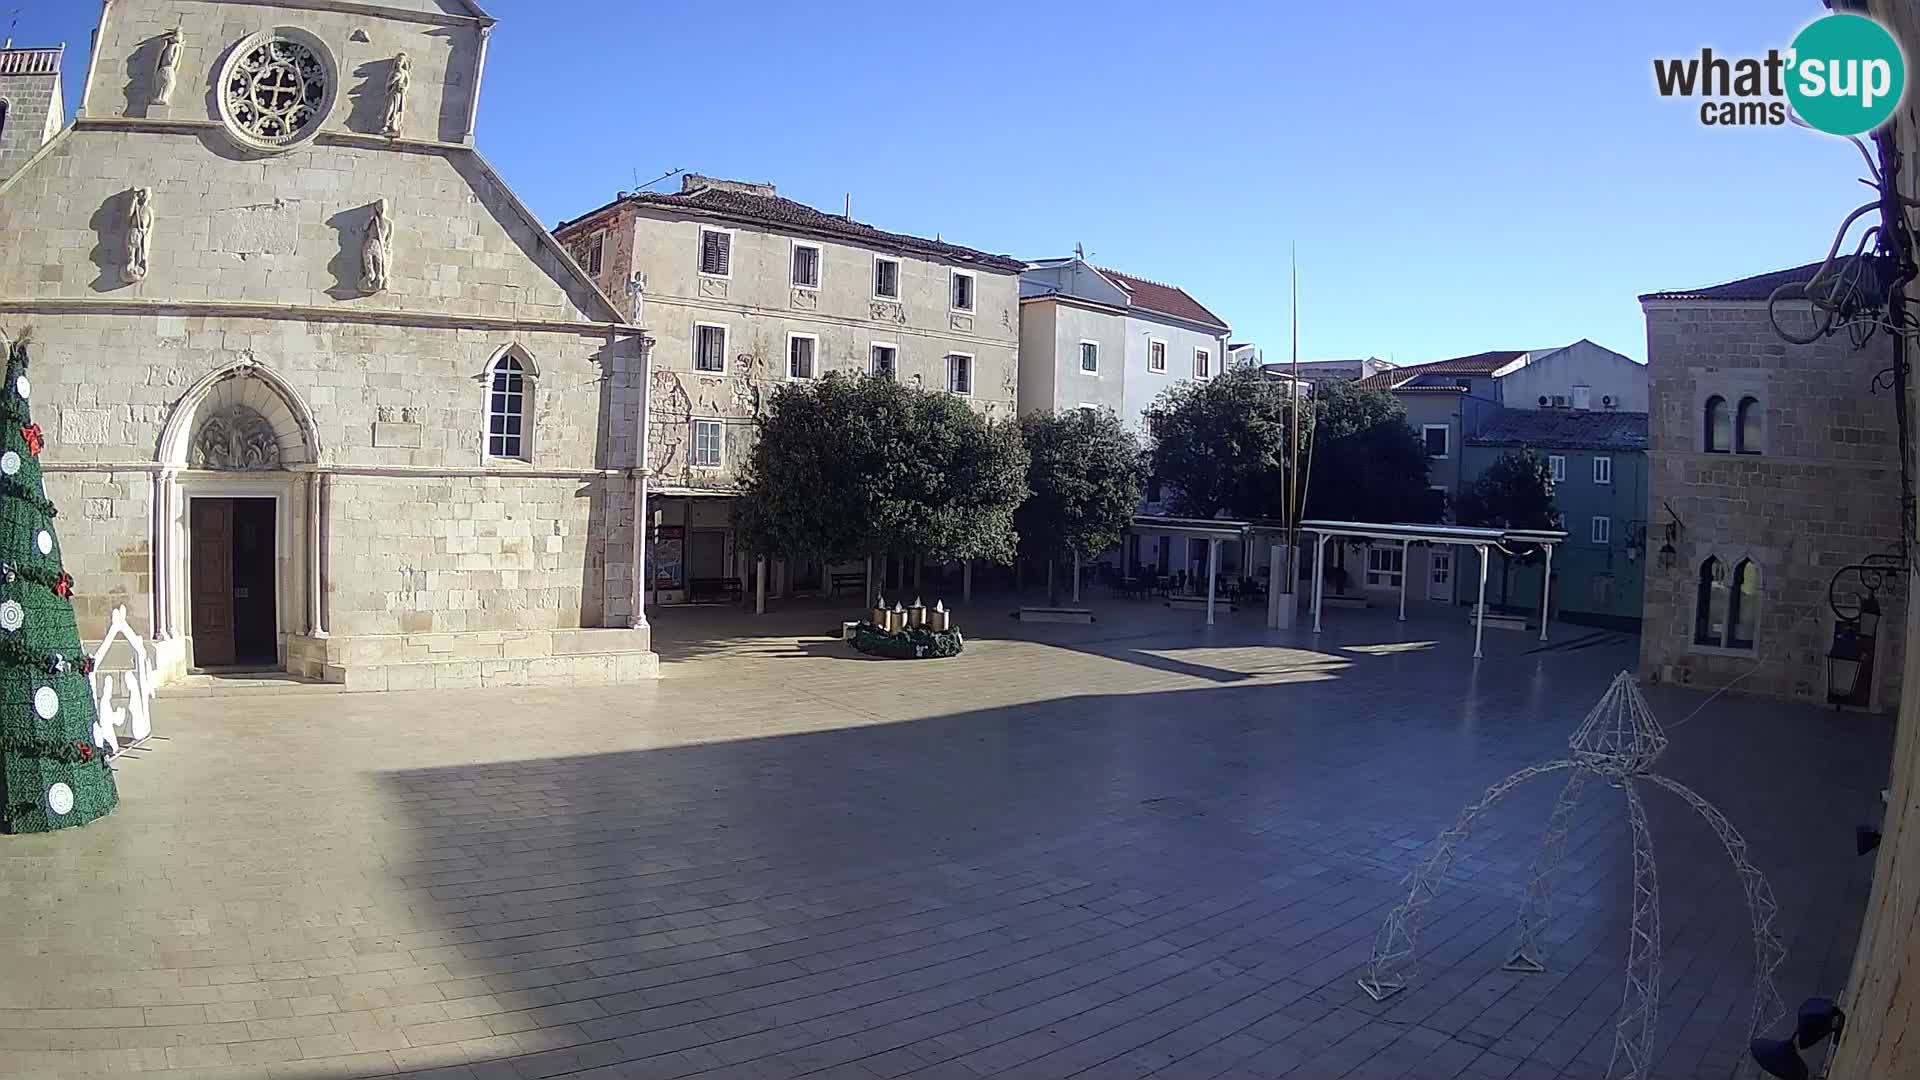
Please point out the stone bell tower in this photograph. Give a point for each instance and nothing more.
(31, 108)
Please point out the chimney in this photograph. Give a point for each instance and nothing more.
(690, 183)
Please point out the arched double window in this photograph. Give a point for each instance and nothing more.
(1726, 606)
(509, 382)
(1717, 437)
(1746, 428)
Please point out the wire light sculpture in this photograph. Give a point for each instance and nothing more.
(1618, 743)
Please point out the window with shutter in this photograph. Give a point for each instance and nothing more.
(881, 360)
(806, 266)
(886, 278)
(962, 291)
(960, 373)
(716, 253)
(800, 356)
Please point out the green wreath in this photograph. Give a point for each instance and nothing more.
(913, 643)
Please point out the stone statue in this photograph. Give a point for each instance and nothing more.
(376, 250)
(398, 80)
(139, 235)
(166, 71)
(236, 440)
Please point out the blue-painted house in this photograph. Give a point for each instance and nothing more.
(1599, 463)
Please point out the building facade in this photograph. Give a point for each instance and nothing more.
(1772, 468)
(745, 291)
(1599, 466)
(319, 390)
(32, 107)
(1091, 337)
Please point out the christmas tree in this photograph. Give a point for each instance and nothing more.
(52, 775)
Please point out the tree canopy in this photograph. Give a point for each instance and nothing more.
(848, 466)
(1222, 445)
(1516, 492)
(1085, 473)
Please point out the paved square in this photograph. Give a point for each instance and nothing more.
(1135, 848)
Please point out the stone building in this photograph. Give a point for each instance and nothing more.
(746, 290)
(319, 392)
(31, 105)
(1771, 468)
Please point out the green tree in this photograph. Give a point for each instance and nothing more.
(1368, 465)
(52, 776)
(1220, 444)
(1516, 492)
(1085, 473)
(851, 466)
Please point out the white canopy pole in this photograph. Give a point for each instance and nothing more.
(1403, 581)
(1546, 588)
(1319, 577)
(1213, 569)
(1274, 594)
(1480, 609)
(1076, 577)
(760, 586)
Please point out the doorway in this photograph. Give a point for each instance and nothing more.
(1440, 573)
(233, 617)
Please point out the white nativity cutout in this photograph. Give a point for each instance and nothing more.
(136, 716)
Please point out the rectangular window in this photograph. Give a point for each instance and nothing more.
(1602, 530)
(708, 437)
(1090, 357)
(1557, 467)
(1583, 397)
(1385, 566)
(1202, 364)
(962, 291)
(960, 373)
(1436, 437)
(1156, 356)
(886, 277)
(1603, 470)
(800, 350)
(595, 249)
(716, 253)
(709, 347)
(880, 360)
(806, 266)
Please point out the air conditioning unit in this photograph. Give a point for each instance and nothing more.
(1559, 401)
(1606, 401)
(1543, 401)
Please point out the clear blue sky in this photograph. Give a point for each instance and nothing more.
(1457, 178)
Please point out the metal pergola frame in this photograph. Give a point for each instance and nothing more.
(1480, 539)
(1212, 530)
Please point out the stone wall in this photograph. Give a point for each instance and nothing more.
(34, 107)
(377, 397)
(1823, 492)
(759, 309)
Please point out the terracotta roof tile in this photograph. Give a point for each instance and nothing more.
(1485, 363)
(779, 212)
(1164, 299)
(1757, 287)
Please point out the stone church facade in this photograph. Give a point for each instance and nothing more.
(319, 392)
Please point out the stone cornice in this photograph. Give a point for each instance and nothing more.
(377, 11)
(439, 320)
(328, 137)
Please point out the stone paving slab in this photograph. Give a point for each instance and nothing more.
(1137, 848)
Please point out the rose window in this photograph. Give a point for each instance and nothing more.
(276, 89)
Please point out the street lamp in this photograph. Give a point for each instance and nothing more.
(1850, 657)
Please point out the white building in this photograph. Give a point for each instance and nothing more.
(1091, 337)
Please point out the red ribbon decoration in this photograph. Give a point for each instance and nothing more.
(86, 665)
(86, 752)
(64, 587)
(32, 434)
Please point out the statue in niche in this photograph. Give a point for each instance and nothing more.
(399, 78)
(236, 440)
(139, 235)
(376, 249)
(166, 70)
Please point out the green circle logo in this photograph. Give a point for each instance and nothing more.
(1847, 74)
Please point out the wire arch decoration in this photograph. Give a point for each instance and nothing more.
(1618, 743)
